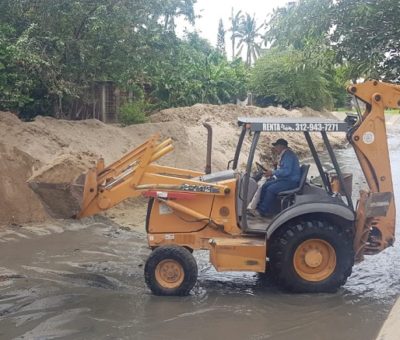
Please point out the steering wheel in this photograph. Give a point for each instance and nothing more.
(259, 173)
(260, 168)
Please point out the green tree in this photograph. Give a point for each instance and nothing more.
(221, 38)
(248, 35)
(65, 46)
(286, 77)
(171, 9)
(367, 37)
(363, 34)
(236, 19)
(306, 27)
(23, 72)
(198, 73)
(52, 52)
(302, 25)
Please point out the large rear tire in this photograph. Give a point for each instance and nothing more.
(170, 270)
(311, 256)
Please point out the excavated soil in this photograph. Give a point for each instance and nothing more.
(55, 152)
(16, 198)
(225, 130)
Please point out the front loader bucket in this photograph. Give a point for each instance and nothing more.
(59, 185)
(61, 200)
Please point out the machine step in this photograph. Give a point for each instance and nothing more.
(239, 254)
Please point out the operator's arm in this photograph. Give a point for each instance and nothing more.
(286, 165)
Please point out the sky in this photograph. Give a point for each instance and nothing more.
(212, 10)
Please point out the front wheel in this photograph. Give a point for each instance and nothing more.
(170, 270)
(311, 256)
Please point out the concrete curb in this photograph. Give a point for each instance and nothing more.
(391, 328)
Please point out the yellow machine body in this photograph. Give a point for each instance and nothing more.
(195, 214)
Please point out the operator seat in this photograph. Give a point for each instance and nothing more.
(287, 197)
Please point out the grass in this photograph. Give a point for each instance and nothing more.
(343, 109)
(387, 111)
(392, 111)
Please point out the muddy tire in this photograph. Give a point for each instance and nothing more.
(170, 271)
(311, 256)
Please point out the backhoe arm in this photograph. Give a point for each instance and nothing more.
(376, 213)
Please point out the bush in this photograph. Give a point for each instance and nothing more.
(134, 112)
(287, 78)
(192, 75)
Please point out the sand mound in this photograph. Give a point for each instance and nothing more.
(18, 204)
(67, 148)
(223, 119)
(64, 148)
(229, 113)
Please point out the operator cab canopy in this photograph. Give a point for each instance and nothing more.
(289, 200)
(288, 124)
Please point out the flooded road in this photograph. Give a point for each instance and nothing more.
(85, 281)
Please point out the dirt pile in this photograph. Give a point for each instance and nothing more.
(54, 152)
(16, 198)
(57, 145)
(226, 132)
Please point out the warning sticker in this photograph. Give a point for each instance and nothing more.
(162, 194)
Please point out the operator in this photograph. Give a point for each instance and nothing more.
(285, 177)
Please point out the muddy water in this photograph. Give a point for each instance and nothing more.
(85, 281)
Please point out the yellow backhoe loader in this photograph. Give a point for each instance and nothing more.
(310, 245)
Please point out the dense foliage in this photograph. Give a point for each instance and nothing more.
(195, 72)
(287, 77)
(367, 37)
(341, 41)
(299, 68)
(53, 51)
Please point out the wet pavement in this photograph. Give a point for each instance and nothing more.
(84, 280)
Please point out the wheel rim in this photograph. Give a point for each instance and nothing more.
(169, 274)
(314, 260)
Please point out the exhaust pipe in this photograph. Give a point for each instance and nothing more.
(207, 170)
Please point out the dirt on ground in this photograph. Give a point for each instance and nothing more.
(55, 152)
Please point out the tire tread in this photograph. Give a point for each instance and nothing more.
(293, 233)
(180, 254)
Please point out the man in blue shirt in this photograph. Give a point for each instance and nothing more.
(285, 177)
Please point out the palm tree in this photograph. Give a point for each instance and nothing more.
(248, 34)
(221, 38)
(236, 21)
(173, 9)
